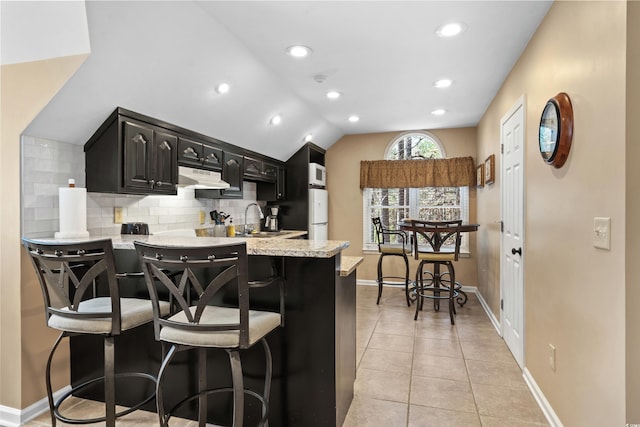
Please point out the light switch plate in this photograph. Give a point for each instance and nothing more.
(602, 232)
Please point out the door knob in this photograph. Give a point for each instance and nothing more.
(518, 251)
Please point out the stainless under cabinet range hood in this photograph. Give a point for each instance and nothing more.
(200, 179)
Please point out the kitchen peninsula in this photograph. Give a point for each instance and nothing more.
(314, 362)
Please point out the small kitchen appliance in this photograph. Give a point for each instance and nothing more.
(271, 223)
(134, 228)
(317, 175)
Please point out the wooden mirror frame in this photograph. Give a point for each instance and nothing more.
(563, 130)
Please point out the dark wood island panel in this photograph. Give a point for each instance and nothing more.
(313, 354)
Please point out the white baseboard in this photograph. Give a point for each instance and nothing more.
(546, 408)
(11, 417)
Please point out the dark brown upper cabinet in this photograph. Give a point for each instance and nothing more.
(135, 154)
(271, 191)
(259, 170)
(132, 157)
(199, 154)
(232, 172)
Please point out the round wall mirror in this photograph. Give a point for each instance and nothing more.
(556, 130)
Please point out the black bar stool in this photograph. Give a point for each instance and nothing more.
(392, 243)
(68, 276)
(197, 323)
(436, 243)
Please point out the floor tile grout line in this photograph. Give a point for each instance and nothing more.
(413, 360)
(466, 367)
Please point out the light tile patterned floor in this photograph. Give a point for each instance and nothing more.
(413, 373)
(431, 373)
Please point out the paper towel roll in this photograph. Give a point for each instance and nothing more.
(73, 213)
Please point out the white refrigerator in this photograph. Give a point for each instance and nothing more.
(318, 214)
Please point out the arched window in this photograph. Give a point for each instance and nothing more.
(428, 203)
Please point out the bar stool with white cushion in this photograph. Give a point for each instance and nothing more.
(69, 274)
(198, 320)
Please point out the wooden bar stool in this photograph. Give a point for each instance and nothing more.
(397, 244)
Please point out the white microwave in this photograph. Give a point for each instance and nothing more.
(317, 175)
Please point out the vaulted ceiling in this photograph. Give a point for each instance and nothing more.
(165, 59)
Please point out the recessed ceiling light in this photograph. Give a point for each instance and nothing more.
(276, 120)
(442, 83)
(308, 137)
(450, 30)
(298, 51)
(222, 88)
(334, 94)
(353, 119)
(438, 112)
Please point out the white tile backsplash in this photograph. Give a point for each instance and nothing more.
(48, 165)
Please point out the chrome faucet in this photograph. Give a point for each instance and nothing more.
(247, 230)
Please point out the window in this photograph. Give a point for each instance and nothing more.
(430, 203)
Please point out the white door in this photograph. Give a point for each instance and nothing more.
(512, 136)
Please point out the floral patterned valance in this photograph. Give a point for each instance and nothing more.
(456, 172)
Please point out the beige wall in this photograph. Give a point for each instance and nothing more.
(345, 197)
(632, 226)
(574, 293)
(25, 88)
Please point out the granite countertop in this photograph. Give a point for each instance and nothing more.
(270, 246)
(348, 264)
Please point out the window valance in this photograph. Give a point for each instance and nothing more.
(455, 172)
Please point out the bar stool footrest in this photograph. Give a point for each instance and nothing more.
(251, 393)
(76, 389)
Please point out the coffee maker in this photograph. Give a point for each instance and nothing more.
(271, 223)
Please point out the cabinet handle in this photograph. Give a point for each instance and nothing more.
(190, 151)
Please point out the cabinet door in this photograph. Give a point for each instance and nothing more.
(281, 183)
(269, 172)
(232, 172)
(165, 166)
(189, 152)
(137, 156)
(252, 168)
(211, 157)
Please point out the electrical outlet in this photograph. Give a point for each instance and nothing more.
(117, 215)
(552, 357)
(201, 217)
